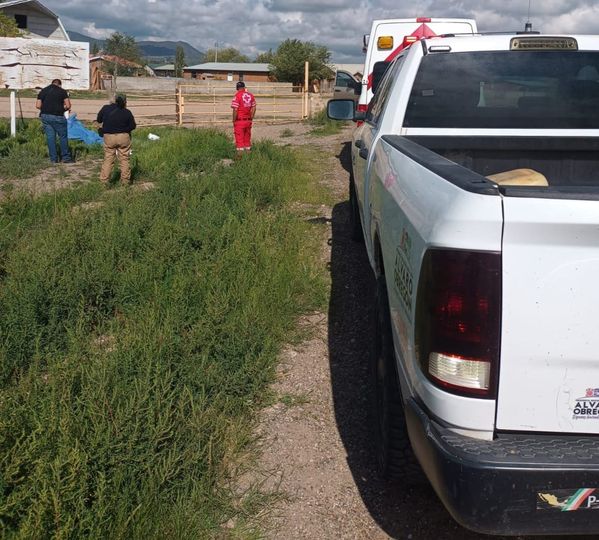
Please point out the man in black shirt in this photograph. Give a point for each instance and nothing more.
(117, 124)
(52, 102)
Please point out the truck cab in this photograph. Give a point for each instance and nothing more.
(346, 85)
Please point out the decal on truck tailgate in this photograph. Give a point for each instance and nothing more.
(567, 500)
(587, 407)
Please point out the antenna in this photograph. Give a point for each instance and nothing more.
(528, 24)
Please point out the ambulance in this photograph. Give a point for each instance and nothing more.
(388, 37)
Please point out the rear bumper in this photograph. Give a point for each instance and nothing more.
(493, 487)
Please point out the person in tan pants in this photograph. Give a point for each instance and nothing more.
(117, 124)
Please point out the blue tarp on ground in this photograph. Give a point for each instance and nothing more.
(77, 130)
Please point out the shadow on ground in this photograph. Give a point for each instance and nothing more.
(401, 511)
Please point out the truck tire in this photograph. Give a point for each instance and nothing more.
(355, 225)
(395, 458)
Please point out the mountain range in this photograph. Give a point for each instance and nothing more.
(155, 52)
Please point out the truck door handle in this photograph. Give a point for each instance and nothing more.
(363, 153)
(358, 143)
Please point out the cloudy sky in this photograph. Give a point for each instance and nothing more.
(254, 26)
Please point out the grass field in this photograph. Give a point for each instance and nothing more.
(137, 340)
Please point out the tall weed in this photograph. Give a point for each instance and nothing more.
(137, 340)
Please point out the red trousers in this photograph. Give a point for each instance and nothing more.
(242, 130)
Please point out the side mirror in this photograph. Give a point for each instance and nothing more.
(343, 109)
(357, 85)
(378, 72)
(340, 109)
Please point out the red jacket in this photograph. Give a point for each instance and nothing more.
(243, 102)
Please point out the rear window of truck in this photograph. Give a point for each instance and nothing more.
(506, 89)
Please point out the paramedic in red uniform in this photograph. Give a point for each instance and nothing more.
(244, 108)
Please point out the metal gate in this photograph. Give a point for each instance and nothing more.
(211, 104)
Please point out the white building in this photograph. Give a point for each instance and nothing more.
(34, 19)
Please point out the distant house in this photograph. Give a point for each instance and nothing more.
(35, 19)
(228, 71)
(100, 78)
(167, 70)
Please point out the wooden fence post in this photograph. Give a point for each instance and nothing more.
(306, 82)
(180, 105)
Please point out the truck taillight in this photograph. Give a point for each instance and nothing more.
(458, 320)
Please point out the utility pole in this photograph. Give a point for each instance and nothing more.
(216, 49)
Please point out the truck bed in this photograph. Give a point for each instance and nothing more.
(568, 163)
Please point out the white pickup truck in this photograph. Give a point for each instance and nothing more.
(476, 184)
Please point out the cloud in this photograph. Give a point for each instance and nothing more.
(254, 26)
(91, 31)
(309, 6)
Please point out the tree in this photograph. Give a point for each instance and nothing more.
(179, 61)
(94, 49)
(229, 54)
(123, 46)
(287, 64)
(265, 57)
(8, 26)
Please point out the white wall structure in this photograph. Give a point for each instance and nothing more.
(33, 63)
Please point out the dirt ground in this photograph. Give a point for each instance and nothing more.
(316, 442)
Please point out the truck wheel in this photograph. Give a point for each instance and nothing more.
(355, 225)
(395, 457)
